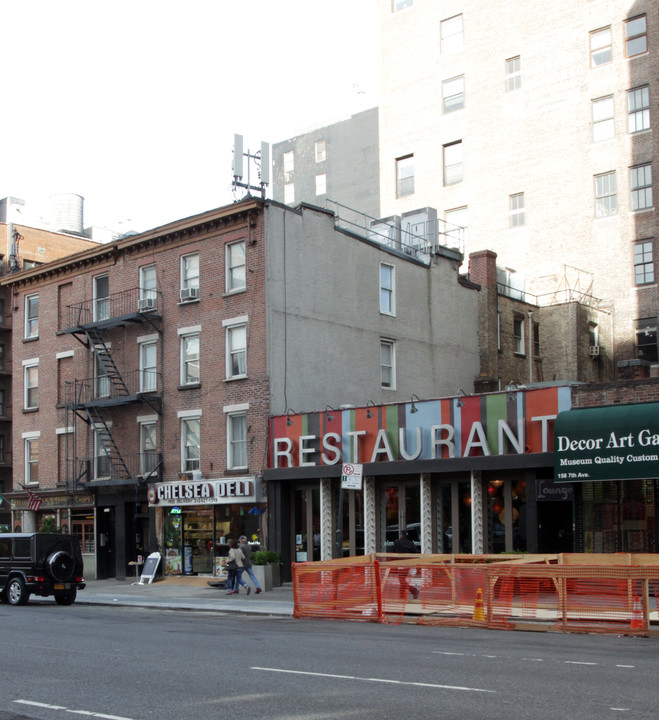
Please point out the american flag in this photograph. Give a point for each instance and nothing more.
(33, 501)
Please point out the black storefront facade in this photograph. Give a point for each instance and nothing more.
(464, 475)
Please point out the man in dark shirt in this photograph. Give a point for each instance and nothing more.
(404, 545)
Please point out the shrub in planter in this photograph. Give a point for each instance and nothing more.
(266, 568)
(266, 557)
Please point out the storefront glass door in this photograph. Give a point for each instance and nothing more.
(306, 526)
(400, 507)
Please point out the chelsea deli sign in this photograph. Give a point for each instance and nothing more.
(202, 492)
(607, 443)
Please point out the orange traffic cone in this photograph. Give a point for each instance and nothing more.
(479, 612)
(637, 615)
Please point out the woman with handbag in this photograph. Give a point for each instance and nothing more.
(235, 569)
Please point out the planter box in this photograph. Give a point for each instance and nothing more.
(267, 575)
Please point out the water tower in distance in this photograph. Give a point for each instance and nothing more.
(66, 213)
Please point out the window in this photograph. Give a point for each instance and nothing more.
(289, 161)
(102, 466)
(387, 296)
(638, 109)
(101, 298)
(237, 440)
(451, 35)
(2, 403)
(2, 309)
(148, 372)
(31, 382)
(593, 334)
(235, 266)
(31, 317)
(602, 110)
(516, 207)
(321, 184)
(455, 233)
(2, 356)
(32, 461)
(600, 47)
(101, 378)
(640, 184)
(646, 339)
(388, 364)
(190, 277)
(397, 5)
(606, 199)
(236, 351)
(321, 154)
(289, 193)
(513, 74)
(536, 339)
(190, 444)
(453, 163)
(148, 452)
(3, 452)
(148, 281)
(518, 335)
(405, 176)
(636, 39)
(644, 262)
(453, 94)
(190, 359)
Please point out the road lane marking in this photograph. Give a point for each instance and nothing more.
(626, 666)
(376, 680)
(75, 712)
(578, 662)
(441, 652)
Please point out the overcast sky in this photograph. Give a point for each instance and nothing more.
(133, 103)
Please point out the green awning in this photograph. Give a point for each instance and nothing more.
(617, 442)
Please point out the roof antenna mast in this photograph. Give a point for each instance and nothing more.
(261, 161)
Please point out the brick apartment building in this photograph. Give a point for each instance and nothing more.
(141, 403)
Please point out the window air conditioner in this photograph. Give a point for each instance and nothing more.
(594, 351)
(190, 293)
(146, 303)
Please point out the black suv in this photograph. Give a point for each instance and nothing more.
(40, 564)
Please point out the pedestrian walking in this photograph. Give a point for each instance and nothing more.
(404, 545)
(235, 567)
(247, 563)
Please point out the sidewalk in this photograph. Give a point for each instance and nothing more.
(184, 593)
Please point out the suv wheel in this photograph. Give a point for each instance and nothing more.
(16, 592)
(65, 598)
(61, 566)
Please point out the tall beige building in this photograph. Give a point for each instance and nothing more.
(534, 126)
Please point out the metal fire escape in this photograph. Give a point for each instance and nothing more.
(92, 400)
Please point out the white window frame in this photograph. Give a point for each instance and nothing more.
(289, 193)
(190, 273)
(601, 49)
(102, 464)
(235, 350)
(451, 35)
(404, 176)
(640, 187)
(321, 184)
(148, 282)
(457, 231)
(30, 384)
(148, 366)
(237, 441)
(453, 167)
(388, 365)
(190, 460)
(606, 194)
(514, 73)
(320, 150)
(31, 317)
(101, 298)
(603, 110)
(188, 359)
(387, 283)
(148, 446)
(31, 441)
(453, 94)
(397, 5)
(102, 387)
(519, 338)
(289, 161)
(517, 211)
(235, 266)
(638, 109)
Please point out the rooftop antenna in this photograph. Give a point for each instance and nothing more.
(261, 161)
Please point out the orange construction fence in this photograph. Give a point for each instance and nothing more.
(571, 593)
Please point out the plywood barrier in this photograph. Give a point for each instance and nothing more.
(546, 593)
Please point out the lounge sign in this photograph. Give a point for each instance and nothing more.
(618, 442)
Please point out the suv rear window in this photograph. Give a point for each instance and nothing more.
(22, 547)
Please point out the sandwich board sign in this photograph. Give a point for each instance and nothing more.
(150, 568)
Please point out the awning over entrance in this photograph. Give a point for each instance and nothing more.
(618, 442)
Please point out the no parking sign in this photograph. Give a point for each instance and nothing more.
(351, 477)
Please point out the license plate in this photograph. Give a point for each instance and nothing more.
(61, 586)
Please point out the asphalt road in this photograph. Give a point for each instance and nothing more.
(63, 663)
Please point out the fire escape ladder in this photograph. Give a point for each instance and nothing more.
(99, 421)
(99, 342)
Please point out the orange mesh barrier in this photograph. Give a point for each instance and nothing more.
(482, 592)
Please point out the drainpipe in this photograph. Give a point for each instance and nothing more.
(530, 346)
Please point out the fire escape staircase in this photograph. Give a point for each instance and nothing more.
(100, 420)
